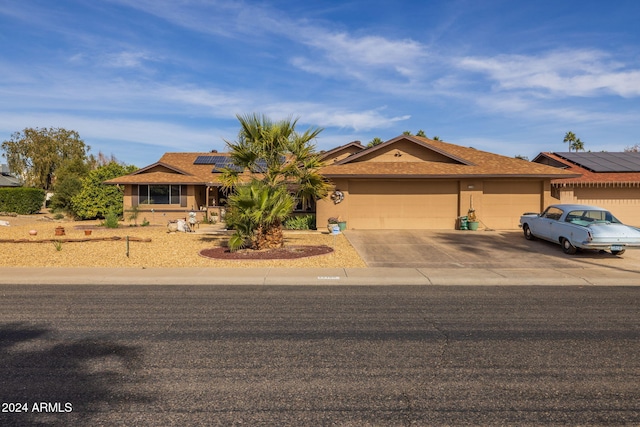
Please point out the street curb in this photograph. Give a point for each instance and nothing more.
(320, 276)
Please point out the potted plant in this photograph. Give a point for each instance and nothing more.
(472, 221)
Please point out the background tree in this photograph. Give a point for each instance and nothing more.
(578, 145)
(632, 149)
(407, 132)
(34, 155)
(421, 133)
(375, 141)
(95, 199)
(574, 142)
(280, 161)
(569, 138)
(68, 183)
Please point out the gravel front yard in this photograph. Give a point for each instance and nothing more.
(164, 250)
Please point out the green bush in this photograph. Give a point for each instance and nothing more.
(21, 200)
(96, 199)
(300, 222)
(111, 219)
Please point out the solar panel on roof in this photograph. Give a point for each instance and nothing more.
(605, 162)
(204, 160)
(220, 162)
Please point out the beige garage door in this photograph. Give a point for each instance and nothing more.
(623, 202)
(403, 204)
(504, 202)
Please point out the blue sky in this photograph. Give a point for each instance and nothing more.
(137, 78)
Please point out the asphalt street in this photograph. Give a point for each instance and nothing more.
(319, 355)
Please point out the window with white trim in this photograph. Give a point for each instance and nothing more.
(159, 194)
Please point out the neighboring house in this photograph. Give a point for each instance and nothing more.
(609, 180)
(411, 182)
(407, 182)
(6, 180)
(175, 185)
(342, 152)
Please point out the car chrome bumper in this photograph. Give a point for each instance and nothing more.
(608, 245)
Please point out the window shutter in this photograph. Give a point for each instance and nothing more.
(183, 196)
(134, 195)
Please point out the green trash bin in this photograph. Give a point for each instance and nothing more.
(463, 223)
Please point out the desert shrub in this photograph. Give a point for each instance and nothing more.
(300, 222)
(96, 198)
(111, 219)
(21, 200)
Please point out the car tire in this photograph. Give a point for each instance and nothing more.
(567, 247)
(620, 252)
(527, 233)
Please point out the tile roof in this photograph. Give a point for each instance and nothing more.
(587, 176)
(9, 181)
(174, 168)
(351, 147)
(184, 171)
(466, 162)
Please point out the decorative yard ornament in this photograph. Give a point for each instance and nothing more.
(471, 215)
(337, 197)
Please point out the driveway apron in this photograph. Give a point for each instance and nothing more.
(473, 249)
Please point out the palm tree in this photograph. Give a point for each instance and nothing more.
(279, 159)
(578, 145)
(375, 141)
(256, 214)
(421, 133)
(570, 137)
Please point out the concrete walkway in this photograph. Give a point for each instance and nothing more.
(588, 276)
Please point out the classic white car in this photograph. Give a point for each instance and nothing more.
(580, 226)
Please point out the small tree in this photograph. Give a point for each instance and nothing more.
(68, 183)
(281, 160)
(95, 199)
(421, 133)
(257, 215)
(35, 155)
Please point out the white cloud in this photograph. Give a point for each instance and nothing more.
(370, 52)
(127, 59)
(324, 115)
(559, 73)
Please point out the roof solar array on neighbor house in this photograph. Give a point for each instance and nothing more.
(605, 162)
(219, 162)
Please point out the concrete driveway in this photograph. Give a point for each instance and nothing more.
(474, 249)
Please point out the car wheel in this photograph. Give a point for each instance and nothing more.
(567, 247)
(527, 233)
(620, 252)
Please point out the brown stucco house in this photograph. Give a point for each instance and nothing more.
(175, 185)
(607, 179)
(411, 182)
(407, 182)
